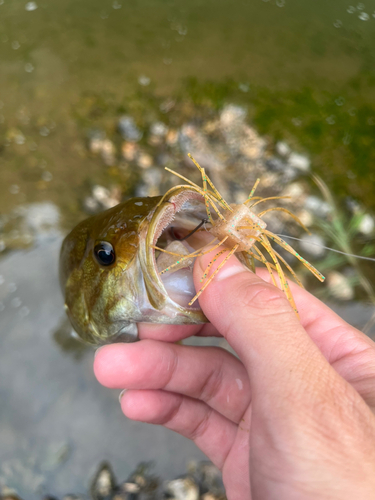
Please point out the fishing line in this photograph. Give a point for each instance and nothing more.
(328, 248)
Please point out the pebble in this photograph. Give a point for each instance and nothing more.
(103, 483)
(182, 489)
(192, 141)
(144, 160)
(295, 191)
(105, 197)
(129, 151)
(339, 286)
(283, 149)
(157, 134)
(313, 245)
(317, 206)
(129, 129)
(367, 224)
(300, 162)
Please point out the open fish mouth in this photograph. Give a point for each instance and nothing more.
(180, 232)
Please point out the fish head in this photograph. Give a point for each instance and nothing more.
(109, 270)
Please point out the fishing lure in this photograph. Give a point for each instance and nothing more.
(238, 229)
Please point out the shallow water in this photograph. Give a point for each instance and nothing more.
(305, 71)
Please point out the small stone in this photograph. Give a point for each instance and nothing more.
(29, 68)
(182, 489)
(313, 244)
(339, 286)
(159, 128)
(108, 152)
(131, 488)
(129, 151)
(104, 483)
(209, 496)
(129, 129)
(317, 206)
(144, 160)
(144, 80)
(106, 198)
(158, 131)
(367, 224)
(172, 137)
(299, 162)
(91, 205)
(295, 191)
(305, 217)
(30, 6)
(47, 176)
(275, 165)
(283, 149)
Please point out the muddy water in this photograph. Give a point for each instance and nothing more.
(303, 70)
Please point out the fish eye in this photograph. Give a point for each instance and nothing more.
(104, 253)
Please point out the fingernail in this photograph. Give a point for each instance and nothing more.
(121, 394)
(231, 269)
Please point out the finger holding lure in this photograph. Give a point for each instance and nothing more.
(133, 263)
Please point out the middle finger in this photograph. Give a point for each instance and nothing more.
(209, 374)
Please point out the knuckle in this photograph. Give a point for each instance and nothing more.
(201, 427)
(263, 297)
(212, 384)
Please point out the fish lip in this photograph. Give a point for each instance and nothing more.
(162, 216)
(126, 334)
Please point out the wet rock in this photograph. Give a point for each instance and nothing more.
(240, 137)
(208, 477)
(286, 172)
(29, 224)
(41, 218)
(99, 145)
(142, 481)
(129, 151)
(129, 129)
(313, 245)
(8, 494)
(104, 483)
(317, 206)
(184, 488)
(212, 496)
(275, 165)
(367, 225)
(296, 191)
(172, 137)
(73, 497)
(107, 198)
(283, 149)
(300, 162)
(144, 160)
(158, 133)
(152, 178)
(305, 217)
(339, 286)
(192, 141)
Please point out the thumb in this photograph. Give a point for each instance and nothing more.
(258, 322)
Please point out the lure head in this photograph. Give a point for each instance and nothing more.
(240, 226)
(109, 269)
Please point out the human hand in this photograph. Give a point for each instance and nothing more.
(292, 418)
